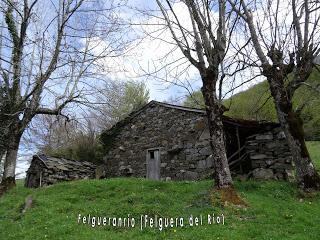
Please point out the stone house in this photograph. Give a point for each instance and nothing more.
(45, 170)
(167, 142)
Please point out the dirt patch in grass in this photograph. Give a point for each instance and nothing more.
(226, 196)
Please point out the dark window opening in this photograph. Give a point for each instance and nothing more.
(151, 154)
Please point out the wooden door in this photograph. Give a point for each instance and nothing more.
(153, 164)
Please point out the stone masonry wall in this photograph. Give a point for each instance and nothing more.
(270, 155)
(181, 136)
(183, 140)
(52, 175)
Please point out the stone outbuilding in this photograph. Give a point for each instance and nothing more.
(168, 142)
(45, 170)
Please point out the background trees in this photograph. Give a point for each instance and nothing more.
(50, 54)
(79, 139)
(261, 105)
(72, 140)
(119, 98)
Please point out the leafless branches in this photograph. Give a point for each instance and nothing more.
(286, 44)
(49, 50)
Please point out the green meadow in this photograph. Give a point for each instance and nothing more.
(276, 210)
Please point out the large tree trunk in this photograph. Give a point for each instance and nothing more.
(222, 174)
(292, 125)
(214, 111)
(2, 155)
(9, 170)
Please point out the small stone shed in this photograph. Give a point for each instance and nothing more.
(168, 142)
(45, 170)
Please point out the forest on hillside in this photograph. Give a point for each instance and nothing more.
(256, 103)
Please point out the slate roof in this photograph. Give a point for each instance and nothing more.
(225, 119)
(64, 164)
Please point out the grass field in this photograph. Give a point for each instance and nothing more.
(314, 149)
(276, 210)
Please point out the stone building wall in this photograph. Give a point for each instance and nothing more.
(56, 170)
(181, 136)
(270, 155)
(183, 139)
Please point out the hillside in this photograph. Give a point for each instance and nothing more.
(256, 103)
(276, 210)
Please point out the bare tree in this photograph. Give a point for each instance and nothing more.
(1, 166)
(49, 53)
(116, 100)
(285, 40)
(205, 47)
(75, 139)
(55, 132)
(79, 138)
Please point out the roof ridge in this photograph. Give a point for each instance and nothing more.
(45, 159)
(231, 120)
(170, 105)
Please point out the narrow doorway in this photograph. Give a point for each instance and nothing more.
(153, 164)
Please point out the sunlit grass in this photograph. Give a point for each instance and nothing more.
(276, 210)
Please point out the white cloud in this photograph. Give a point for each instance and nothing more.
(158, 61)
(148, 57)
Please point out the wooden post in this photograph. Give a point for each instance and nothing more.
(40, 179)
(239, 146)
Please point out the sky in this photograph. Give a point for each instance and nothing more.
(149, 54)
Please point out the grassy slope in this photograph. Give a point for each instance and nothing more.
(314, 150)
(275, 210)
(255, 103)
